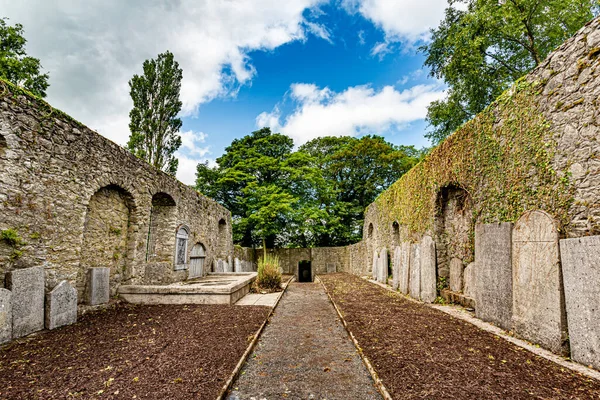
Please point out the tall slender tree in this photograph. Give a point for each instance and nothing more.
(154, 124)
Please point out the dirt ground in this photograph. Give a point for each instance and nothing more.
(132, 352)
(422, 353)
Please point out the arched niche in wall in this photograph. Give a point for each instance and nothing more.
(108, 233)
(453, 228)
(396, 232)
(370, 231)
(163, 221)
(222, 238)
(181, 247)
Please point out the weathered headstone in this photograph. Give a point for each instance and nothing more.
(404, 267)
(396, 267)
(428, 270)
(537, 301)
(383, 266)
(61, 306)
(237, 265)
(469, 279)
(98, 286)
(5, 316)
(456, 275)
(493, 277)
(414, 286)
(331, 268)
(27, 287)
(581, 275)
(375, 265)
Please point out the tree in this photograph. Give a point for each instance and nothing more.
(153, 123)
(15, 65)
(479, 52)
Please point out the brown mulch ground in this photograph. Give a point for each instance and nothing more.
(139, 352)
(422, 353)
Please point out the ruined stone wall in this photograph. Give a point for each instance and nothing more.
(76, 200)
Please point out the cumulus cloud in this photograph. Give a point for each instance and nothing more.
(357, 110)
(92, 48)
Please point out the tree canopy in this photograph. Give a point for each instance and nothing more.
(154, 124)
(481, 50)
(15, 66)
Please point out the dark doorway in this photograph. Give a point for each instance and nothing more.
(304, 271)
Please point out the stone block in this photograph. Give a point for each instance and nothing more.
(27, 287)
(5, 316)
(61, 306)
(469, 280)
(428, 270)
(374, 265)
(414, 286)
(581, 276)
(396, 267)
(456, 275)
(98, 286)
(404, 267)
(538, 304)
(493, 276)
(383, 266)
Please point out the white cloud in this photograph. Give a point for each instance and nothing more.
(357, 110)
(192, 142)
(191, 152)
(92, 48)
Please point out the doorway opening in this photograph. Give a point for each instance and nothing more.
(304, 271)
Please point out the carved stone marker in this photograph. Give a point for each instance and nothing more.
(27, 287)
(493, 277)
(61, 306)
(331, 268)
(404, 267)
(469, 280)
(537, 302)
(456, 275)
(396, 267)
(414, 287)
(5, 316)
(98, 286)
(581, 275)
(383, 266)
(375, 265)
(428, 270)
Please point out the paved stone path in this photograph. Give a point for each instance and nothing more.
(304, 353)
(258, 299)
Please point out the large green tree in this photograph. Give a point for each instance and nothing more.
(481, 49)
(15, 66)
(154, 124)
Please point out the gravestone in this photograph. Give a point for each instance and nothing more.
(537, 301)
(428, 270)
(493, 277)
(237, 265)
(414, 286)
(469, 280)
(383, 266)
(27, 287)
(98, 286)
(374, 265)
(61, 306)
(5, 316)
(404, 267)
(396, 267)
(581, 276)
(456, 275)
(331, 268)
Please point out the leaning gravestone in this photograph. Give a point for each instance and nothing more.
(27, 287)
(414, 287)
(396, 267)
(537, 299)
(581, 276)
(5, 316)
(456, 275)
(428, 270)
(404, 267)
(469, 281)
(493, 277)
(98, 286)
(383, 266)
(374, 265)
(61, 306)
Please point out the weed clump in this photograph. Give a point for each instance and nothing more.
(269, 275)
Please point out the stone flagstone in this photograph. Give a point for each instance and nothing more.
(61, 306)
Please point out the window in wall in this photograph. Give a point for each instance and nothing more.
(181, 248)
(370, 234)
(396, 232)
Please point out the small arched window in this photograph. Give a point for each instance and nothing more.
(181, 248)
(370, 232)
(396, 231)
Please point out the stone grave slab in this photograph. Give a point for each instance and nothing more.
(61, 306)
(469, 280)
(374, 265)
(5, 316)
(331, 268)
(27, 287)
(456, 275)
(98, 286)
(428, 270)
(404, 267)
(414, 286)
(396, 267)
(383, 266)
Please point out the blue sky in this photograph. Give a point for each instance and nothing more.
(305, 68)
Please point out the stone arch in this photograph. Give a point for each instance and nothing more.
(163, 221)
(182, 238)
(453, 230)
(108, 235)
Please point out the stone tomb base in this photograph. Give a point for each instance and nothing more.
(216, 288)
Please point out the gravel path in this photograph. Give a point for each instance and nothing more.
(304, 353)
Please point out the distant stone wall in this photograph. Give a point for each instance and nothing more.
(76, 200)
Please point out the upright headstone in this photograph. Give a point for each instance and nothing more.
(469, 279)
(61, 306)
(456, 275)
(581, 276)
(27, 287)
(98, 286)
(384, 265)
(493, 277)
(331, 268)
(428, 270)
(537, 298)
(404, 267)
(396, 260)
(5, 316)
(375, 265)
(237, 265)
(414, 287)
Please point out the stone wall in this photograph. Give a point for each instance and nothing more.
(75, 200)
